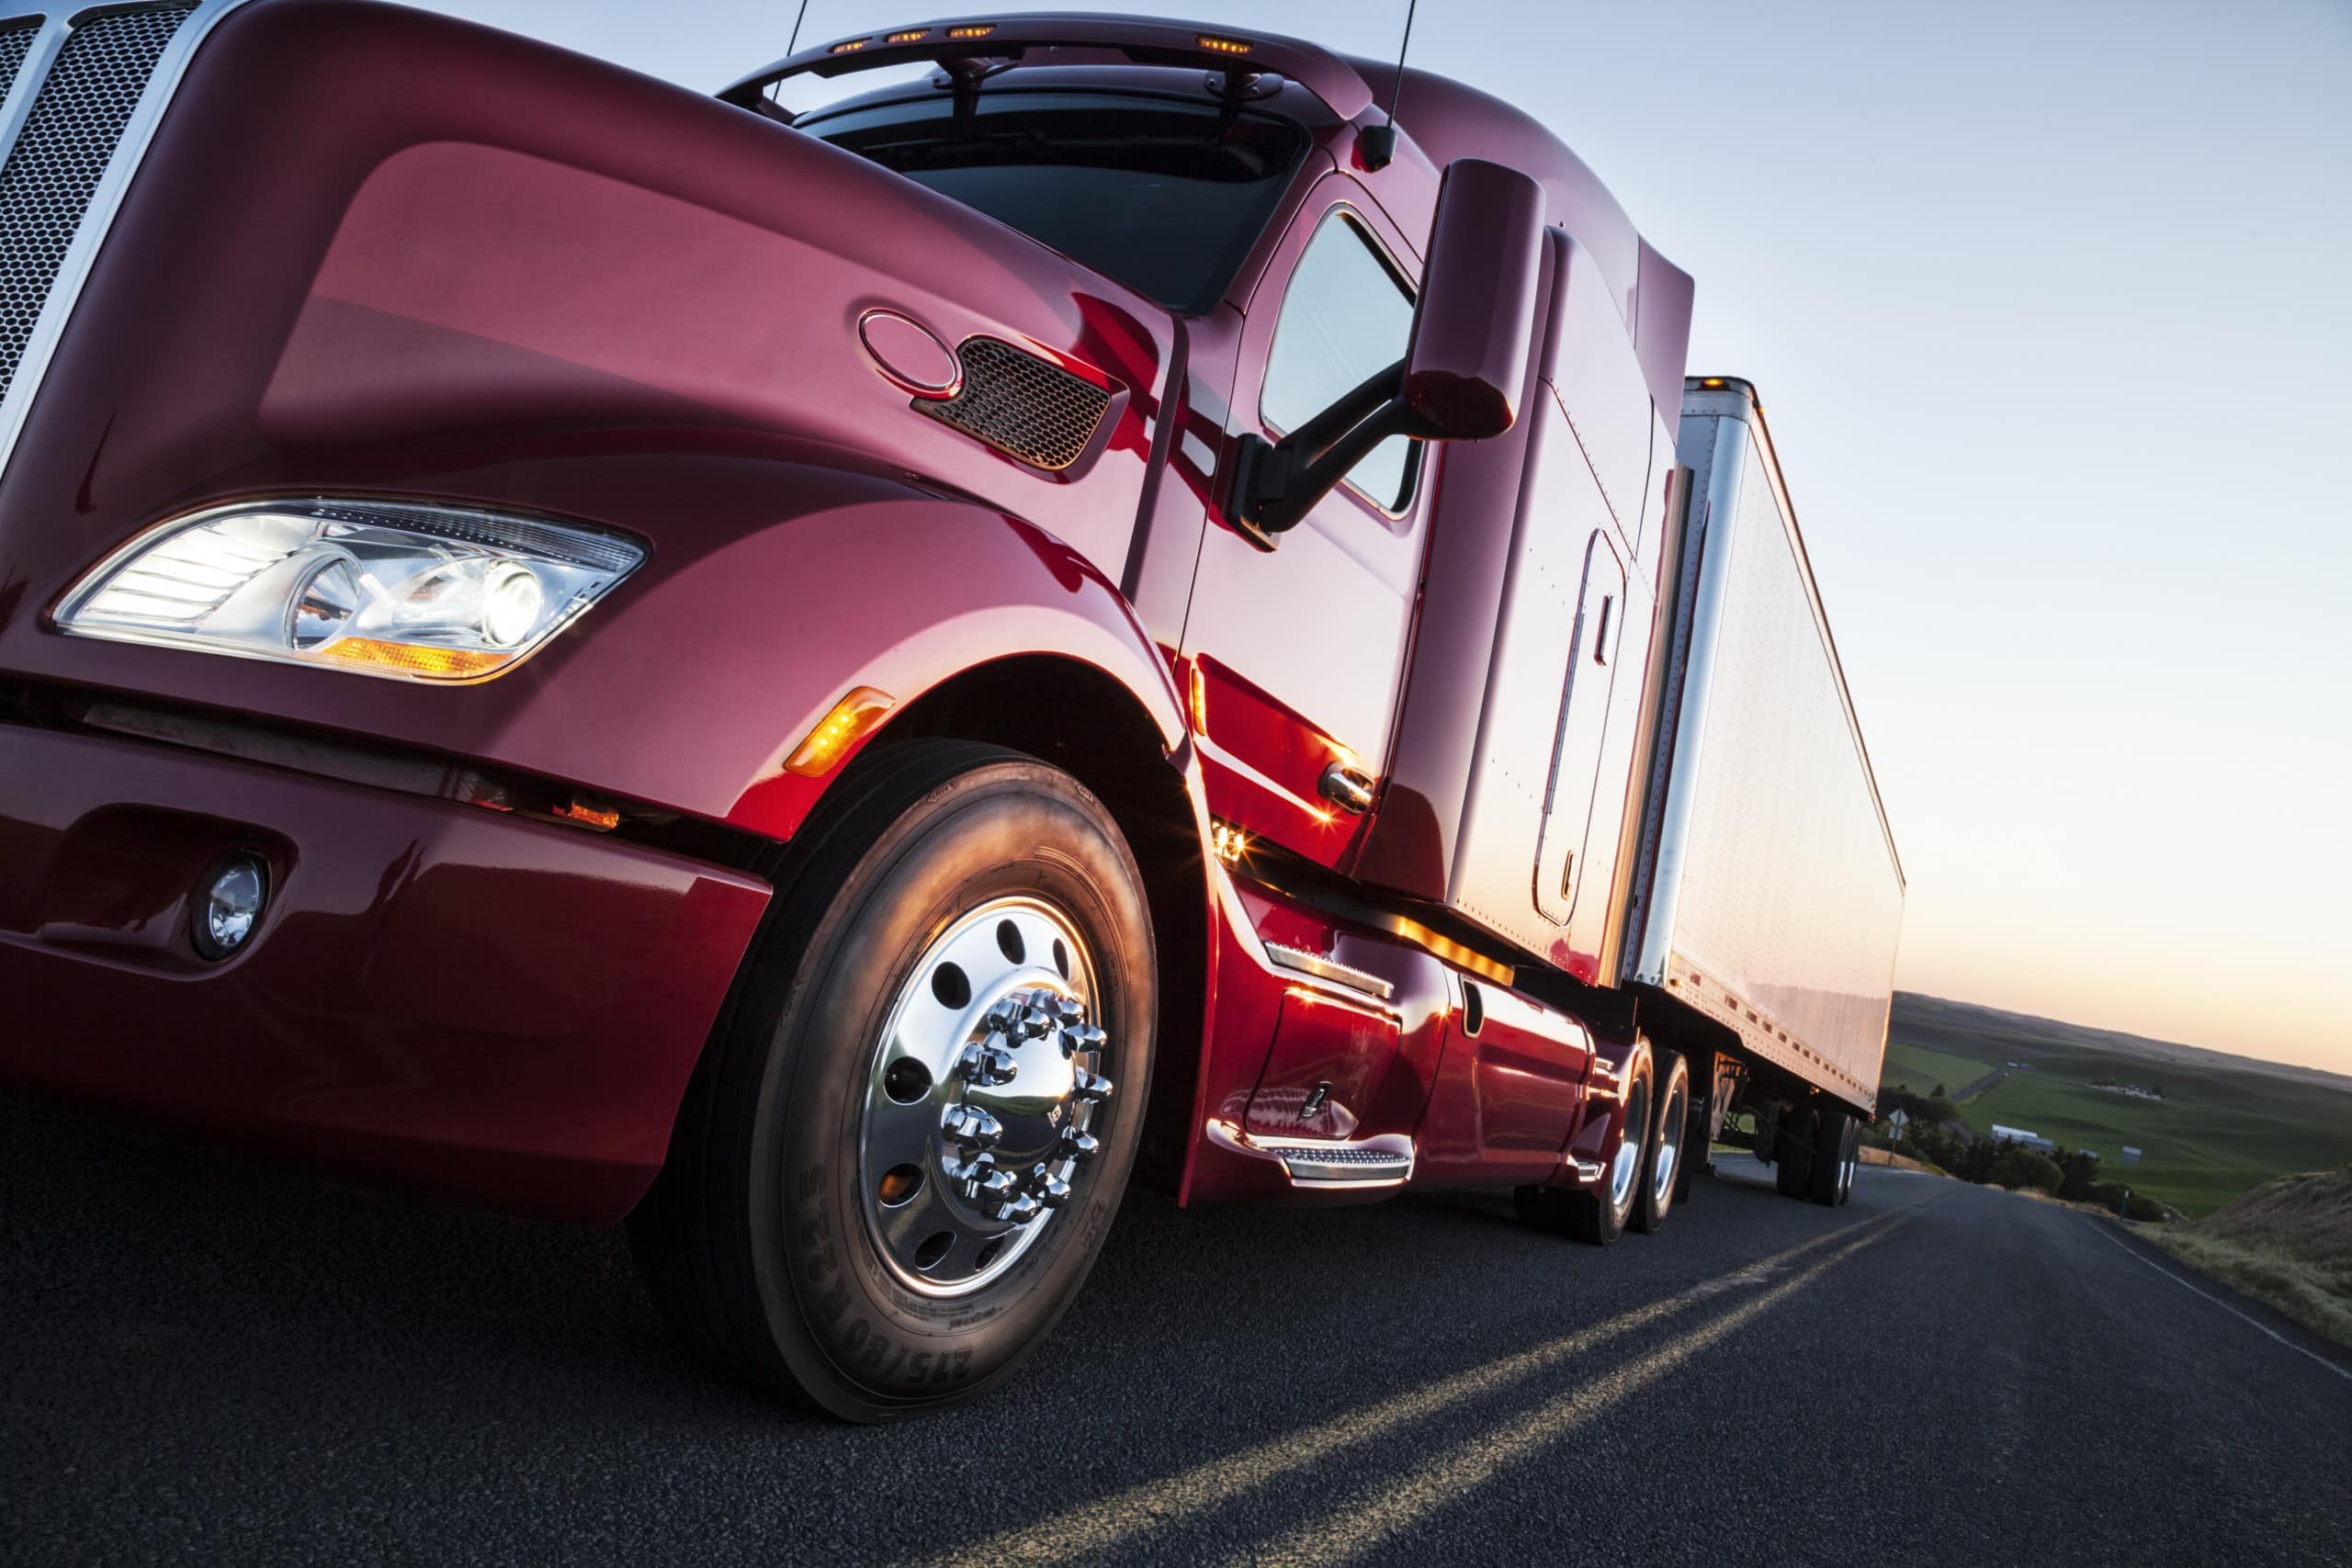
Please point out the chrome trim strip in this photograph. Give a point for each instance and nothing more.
(1324, 968)
(106, 201)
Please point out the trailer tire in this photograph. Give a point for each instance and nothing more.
(1698, 1137)
(1793, 1147)
(1662, 1163)
(1826, 1182)
(785, 1261)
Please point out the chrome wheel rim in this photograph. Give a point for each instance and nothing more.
(1628, 1166)
(1669, 1146)
(978, 1097)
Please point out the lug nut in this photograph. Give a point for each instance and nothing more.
(1068, 1010)
(1034, 1021)
(986, 1065)
(968, 1127)
(1020, 1209)
(1091, 1088)
(1078, 1146)
(1045, 1187)
(973, 1174)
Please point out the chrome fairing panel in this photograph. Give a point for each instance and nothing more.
(88, 86)
(1772, 892)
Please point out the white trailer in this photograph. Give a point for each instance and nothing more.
(1769, 895)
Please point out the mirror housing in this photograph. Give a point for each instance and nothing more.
(1474, 326)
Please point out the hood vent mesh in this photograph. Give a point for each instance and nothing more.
(1026, 407)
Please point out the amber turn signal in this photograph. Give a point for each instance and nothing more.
(852, 720)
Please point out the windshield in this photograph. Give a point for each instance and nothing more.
(1165, 195)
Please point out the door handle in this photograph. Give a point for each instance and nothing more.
(1348, 788)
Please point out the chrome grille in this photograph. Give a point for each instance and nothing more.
(53, 170)
(1025, 407)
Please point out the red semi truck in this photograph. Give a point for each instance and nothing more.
(835, 681)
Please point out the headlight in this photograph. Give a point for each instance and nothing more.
(413, 592)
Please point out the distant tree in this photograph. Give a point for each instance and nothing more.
(1939, 1093)
(1938, 1109)
(2015, 1168)
(2078, 1170)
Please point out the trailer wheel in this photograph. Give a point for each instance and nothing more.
(1599, 1213)
(1662, 1162)
(910, 1133)
(1794, 1136)
(1698, 1139)
(1830, 1180)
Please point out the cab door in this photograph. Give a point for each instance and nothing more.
(1295, 653)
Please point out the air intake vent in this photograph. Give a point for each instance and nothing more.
(54, 168)
(1025, 407)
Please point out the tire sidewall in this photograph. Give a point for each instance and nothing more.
(1649, 1210)
(855, 1337)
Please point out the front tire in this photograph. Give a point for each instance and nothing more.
(903, 1147)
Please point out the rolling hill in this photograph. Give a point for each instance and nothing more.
(2226, 1125)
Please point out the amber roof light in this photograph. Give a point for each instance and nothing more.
(1216, 45)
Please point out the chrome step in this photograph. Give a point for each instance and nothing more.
(1341, 1165)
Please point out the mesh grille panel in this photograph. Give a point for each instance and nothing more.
(56, 164)
(1022, 405)
(14, 45)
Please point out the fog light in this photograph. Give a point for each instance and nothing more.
(228, 905)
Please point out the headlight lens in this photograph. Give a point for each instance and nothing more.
(411, 591)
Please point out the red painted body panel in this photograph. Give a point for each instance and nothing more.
(496, 1010)
(486, 294)
(551, 286)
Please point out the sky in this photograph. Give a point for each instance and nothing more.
(2050, 306)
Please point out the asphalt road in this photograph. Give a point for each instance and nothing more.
(201, 1358)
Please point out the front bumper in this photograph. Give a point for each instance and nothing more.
(497, 1011)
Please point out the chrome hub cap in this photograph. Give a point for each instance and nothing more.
(1628, 1166)
(979, 1096)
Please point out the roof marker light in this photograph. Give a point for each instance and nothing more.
(1216, 45)
(849, 46)
(972, 29)
(910, 35)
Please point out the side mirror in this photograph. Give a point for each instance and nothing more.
(1475, 325)
(1464, 367)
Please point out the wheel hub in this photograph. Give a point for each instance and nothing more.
(982, 1089)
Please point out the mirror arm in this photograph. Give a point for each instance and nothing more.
(1277, 484)
(1312, 439)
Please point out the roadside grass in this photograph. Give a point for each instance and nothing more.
(2288, 1242)
(2221, 1131)
(1919, 1069)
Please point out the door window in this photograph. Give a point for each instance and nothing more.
(1348, 314)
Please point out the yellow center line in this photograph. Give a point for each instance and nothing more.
(1091, 1526)
(1391, 1505)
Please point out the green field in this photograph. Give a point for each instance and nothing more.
(1919, 1069)
(2226, 1126)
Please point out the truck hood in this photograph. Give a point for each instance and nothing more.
(326, 280)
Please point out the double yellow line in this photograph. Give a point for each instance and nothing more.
(1380, 1511)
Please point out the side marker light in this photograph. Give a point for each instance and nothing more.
(852, 720)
